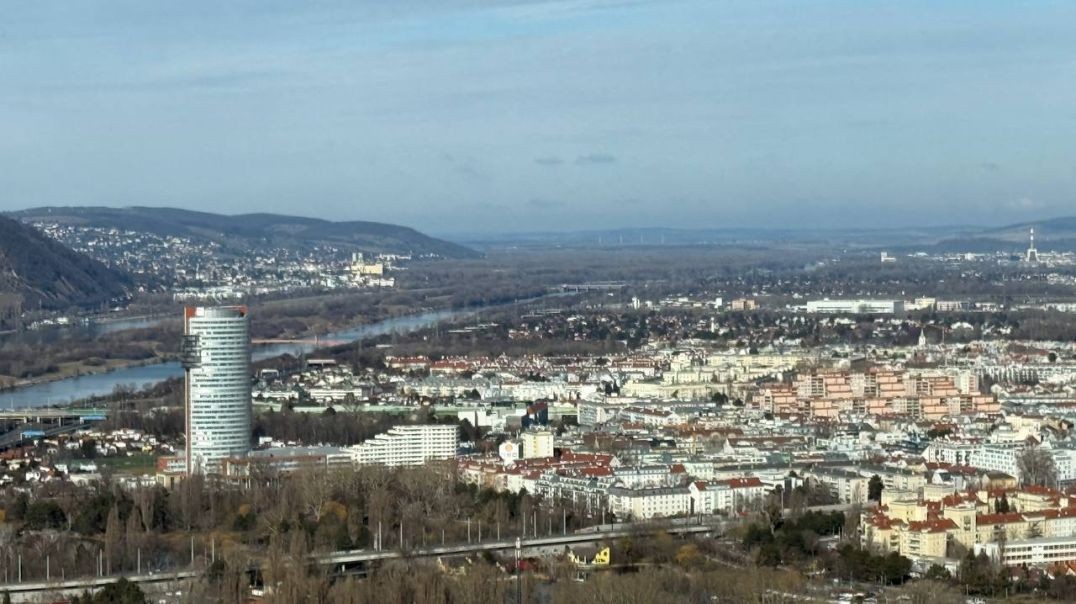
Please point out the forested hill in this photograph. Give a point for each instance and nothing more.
(45, 274)
(252, 230)
(1051, 235)
(1063, 228)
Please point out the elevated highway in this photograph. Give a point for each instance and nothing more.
(31, 591)
(33, 424)
(50, 415)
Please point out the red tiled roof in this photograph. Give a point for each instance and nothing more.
(743, 483)
(884, 522)
(958, 498)
(988, 519)
(1039, 490)
(937, 525)
(588, 458)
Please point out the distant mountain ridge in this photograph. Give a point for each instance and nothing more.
(665, 236)
(1051, 234)
(42, 273)
(237, 231)
(1054, 233)
(1062, 227)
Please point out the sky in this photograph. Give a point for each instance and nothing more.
(472, 116)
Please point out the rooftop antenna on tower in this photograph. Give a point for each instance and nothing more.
(1032, 253)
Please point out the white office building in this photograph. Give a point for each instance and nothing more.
(1005, 457)
(1038, 552)
(408, 445)
(216, 360)
(856, 307)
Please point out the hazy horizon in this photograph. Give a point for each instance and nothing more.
(463, 235)
(473, 116)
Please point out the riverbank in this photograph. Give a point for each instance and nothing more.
(147, 374)
(96, 366)
(75, 370)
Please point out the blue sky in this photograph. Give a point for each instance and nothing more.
(472, 115)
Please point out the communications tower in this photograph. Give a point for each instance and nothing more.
(1032, 253)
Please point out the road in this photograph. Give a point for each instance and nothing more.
(45, 414)
(25, 592)
(15, 437)
(351, 557)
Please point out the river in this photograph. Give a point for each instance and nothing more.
(79, 330)
(76, 388)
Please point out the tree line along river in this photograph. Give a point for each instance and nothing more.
(76, 388)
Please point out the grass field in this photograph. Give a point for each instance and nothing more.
(138, 463)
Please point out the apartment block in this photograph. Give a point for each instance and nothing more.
(408, 445)
(537, 444)
(826, 394)
(646, 503)
(1039, 519)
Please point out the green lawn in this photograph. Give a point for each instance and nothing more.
(139, 463)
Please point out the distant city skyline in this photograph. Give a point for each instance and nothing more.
(471, 116)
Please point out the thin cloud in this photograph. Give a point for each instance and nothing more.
(545, 204)
(595, 159)
(464, 166)
(550, 160)
(1024, 204)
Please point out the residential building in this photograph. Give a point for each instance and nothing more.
(646, 503)
(725, 496)
(285, 459)
(923, 528)
(846, 485)
(537, 443)
(829, 393)
(408, 445)
(742, 304)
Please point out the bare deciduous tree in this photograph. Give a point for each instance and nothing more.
(1036, 467)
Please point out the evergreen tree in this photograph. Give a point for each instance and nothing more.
(874, 488)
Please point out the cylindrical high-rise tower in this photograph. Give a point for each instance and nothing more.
(216, 360)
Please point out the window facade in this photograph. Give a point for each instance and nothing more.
(218, 384)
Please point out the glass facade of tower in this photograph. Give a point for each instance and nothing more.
(216, 357)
